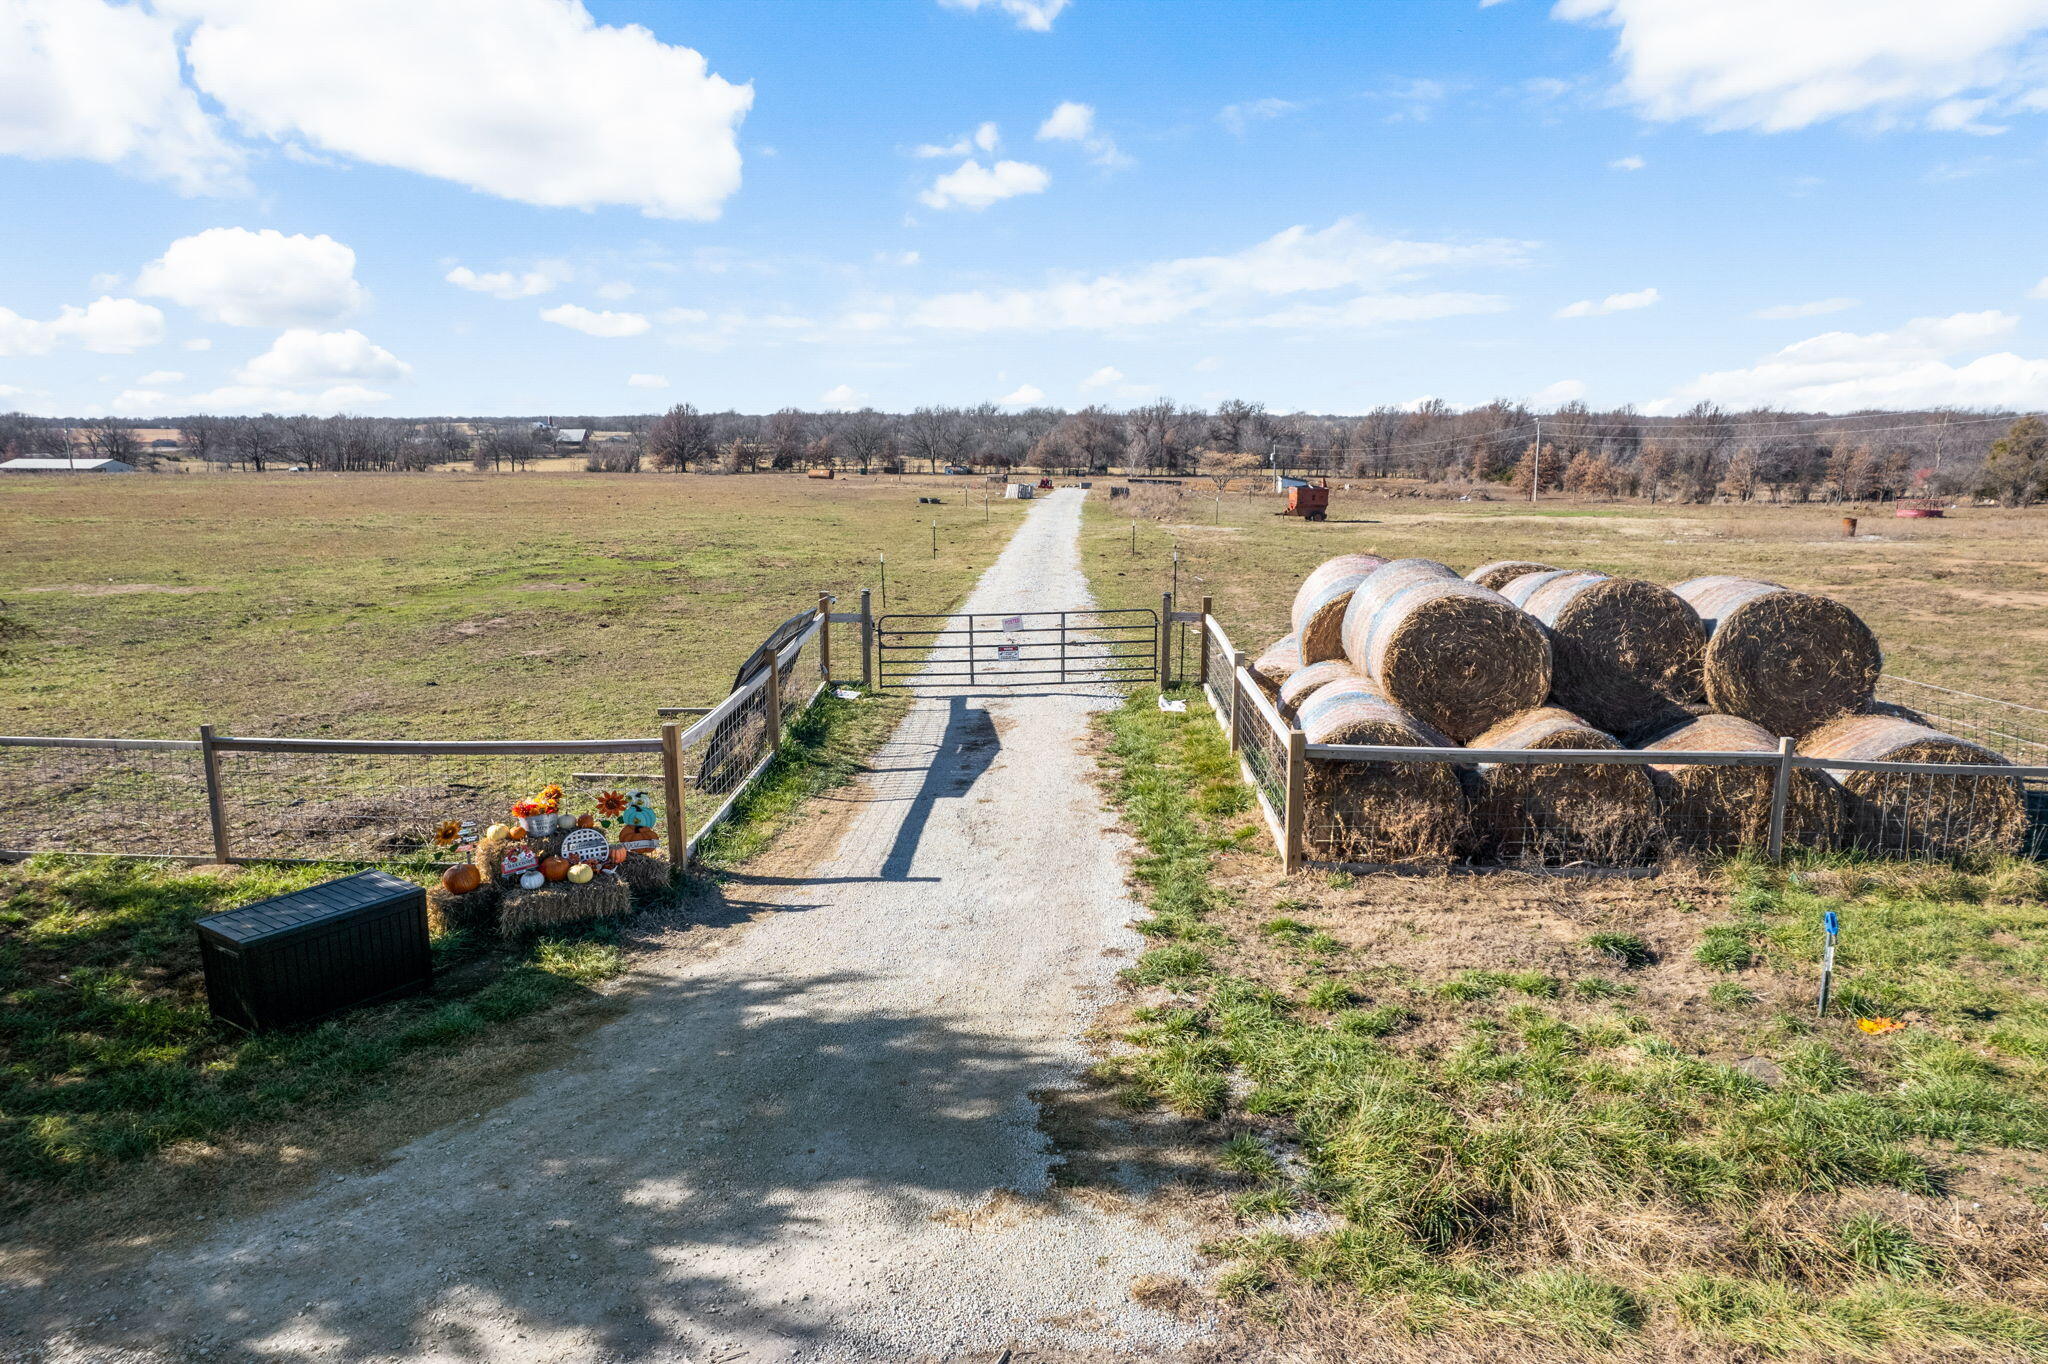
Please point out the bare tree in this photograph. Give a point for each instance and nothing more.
(108, 438)
(680, 436)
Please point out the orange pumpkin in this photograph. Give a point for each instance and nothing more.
(461, 880)
(515, 833)
(586, 821)
(554, 868)
(618, 857)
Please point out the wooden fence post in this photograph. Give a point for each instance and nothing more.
(1165, 640)
(825, 637)
(673, 791)
(867, 641)
(1781, 792)
(1297, 800)
(1202, 666)
(216, 805)
(771, 691)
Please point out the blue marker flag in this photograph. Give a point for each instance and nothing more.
(1831, 923)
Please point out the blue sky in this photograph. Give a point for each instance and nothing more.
(237, 205)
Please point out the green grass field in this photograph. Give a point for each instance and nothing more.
(1960, 602)
(441, 606)
(1512, 1117)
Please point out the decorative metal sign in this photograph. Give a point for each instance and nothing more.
(587, 845)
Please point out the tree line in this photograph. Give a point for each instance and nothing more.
(1704, 454)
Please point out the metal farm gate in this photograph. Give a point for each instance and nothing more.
(1040, 648)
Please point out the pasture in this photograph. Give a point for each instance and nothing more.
(440, 606)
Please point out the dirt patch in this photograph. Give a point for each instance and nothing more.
(118, 589)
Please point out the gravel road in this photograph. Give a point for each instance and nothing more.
(807, 1146)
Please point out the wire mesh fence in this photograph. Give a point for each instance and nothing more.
(138, 798)
(368, 800)
(1364, 805)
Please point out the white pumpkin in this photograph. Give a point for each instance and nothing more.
(533, 880)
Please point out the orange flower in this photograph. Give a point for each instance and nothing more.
(1876, 1026)
(610, 803)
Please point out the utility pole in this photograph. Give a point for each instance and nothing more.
(1536, 464)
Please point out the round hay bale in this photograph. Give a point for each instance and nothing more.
(1788, 660)
(1518, 589)
(1920, 814)
(1498, 574)
(1563, 813)
(1722, 809)
(1281, 661)
(1451, 653)
(1624, 654)
(1298, 687)
(1378, 812)
(1320, 602)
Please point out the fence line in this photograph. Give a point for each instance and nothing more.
(1907, 807)
(216, 797)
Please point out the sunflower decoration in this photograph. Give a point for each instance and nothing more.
(611, 804)
(448, 833)
(1879, 1026)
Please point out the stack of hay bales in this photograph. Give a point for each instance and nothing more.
(1280, 661)
(1722, 809)
(1625, 654)
(1453, 654)
(1562, 813)
(1386, 812)
(1919, 813)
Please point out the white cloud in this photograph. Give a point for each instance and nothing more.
(305, 359)
(1553, 395)
(1208, 364)
(303, 371)
(2040, 289)
(1912, 366)
(1107, 377)
(100, 82)
(606, 323)
(647, 381)
(257, 279)
(1782, 311)
(530, 100)
(1239, 117)
(842, 397)
(984, 138)
(140, 402)
(1613, 303)
(197, 343)
(109, 326)
(615, 290)
(160, 378)
(1024, 395)
(977, 186)
(1221, 289)
(897, 257)
(1373, 310)
(1035, 15)
(1627, 163)
(503, 283)
(1774, 65)
(1072, 122)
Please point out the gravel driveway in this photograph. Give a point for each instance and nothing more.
(793, 1149)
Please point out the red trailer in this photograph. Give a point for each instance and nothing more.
(1309, 501)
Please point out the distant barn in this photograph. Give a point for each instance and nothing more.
(45, 464)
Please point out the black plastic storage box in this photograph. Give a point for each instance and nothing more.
(317, 951)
